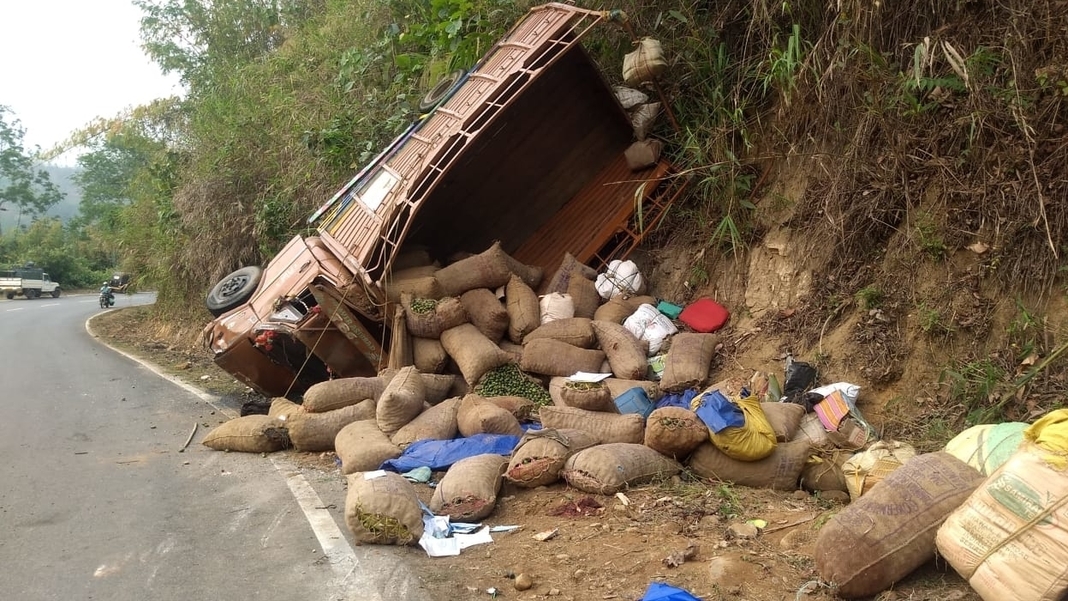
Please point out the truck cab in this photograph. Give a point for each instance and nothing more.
(528, 149)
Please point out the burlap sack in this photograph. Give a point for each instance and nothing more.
(249, 434)
(401, 401)
(561, 278)
(785, 419)
(674, 432)
(488, 269)
(608, 427)
(607, 468)
(591, 396)
(555, 358)
(429, 355)
(468, 492)
(438, 387)
(282, 408)
(884, 535)
(316, 432)
(473, 353)
(778, 471)
(625, 353)
(540, 455)
(521, 408)
(618, 387)
(486, 312)
(362, 447)
(342, 392)
(584, 295)
(448, 313)
(419, 286)
(515, 351)
(523, 310)
(576, 331)
(413, 271)
(687, 363)
(476, 415)
(615, 310)
(866, 469)
(435, 423)
(401, 352)
(812, 431)
(823, 471)
(383, 511)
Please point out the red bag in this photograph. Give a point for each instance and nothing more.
(704, 315)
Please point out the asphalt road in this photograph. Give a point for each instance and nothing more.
(97, 501)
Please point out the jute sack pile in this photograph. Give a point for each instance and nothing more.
(486, 313)
(785, 419)
(342, 392)
(438, 387)
(282, 408)
(473, 353)
(249, 434)
(540, 455)
(553, 358)
(617, 387)
(362, 447)
(625, 354)
(429, 356)
(561, 279)
(384, 510)
(521, 408)
(426, 322)
(469, 489)
(778, 471)
(1011, 534)
(315, 432)
(401, 401)
(607, 468)
(615, 310)
(591, 396)
(436, 423)
(886, 534)
(513, 350)
(688, 361)
(524, 313)
(488, 269)
(674, 432)
(584, 295)
(576, 331)
(608, 427)
(416, 284)
(476, 415)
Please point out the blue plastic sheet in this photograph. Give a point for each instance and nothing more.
(438, 455)
(677, 399)
(659, 591)
(719, 413)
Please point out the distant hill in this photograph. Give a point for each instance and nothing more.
(65, 209)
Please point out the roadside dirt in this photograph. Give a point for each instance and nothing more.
(605, 547)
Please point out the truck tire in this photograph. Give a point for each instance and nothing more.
(10, 295)
(233, 290)
(441, 91)
(55, 293)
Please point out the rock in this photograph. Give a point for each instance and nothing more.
(554, 592)
(743, 531)
(720, 568)
(579, 574)
(523, 582)
(671, 528)
(801, 494)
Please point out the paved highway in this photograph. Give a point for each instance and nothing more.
(98, 502)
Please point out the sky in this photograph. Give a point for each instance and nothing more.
(65, 62)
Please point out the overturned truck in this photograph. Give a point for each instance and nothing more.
(528, 148)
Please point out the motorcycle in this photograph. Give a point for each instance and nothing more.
(107, 297)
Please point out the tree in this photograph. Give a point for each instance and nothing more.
(22, 184)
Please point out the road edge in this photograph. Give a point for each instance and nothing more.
(396, 580)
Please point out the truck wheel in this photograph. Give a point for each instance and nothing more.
(10, 295)
(442, 90)
(55, 293)
(233, 290)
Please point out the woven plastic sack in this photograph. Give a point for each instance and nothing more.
(987, 447)
(865, 470)
(751, 442)
(621, 278)
(650, 325)
(645, 63)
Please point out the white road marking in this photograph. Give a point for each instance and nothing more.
(18, 309)
(50, 305)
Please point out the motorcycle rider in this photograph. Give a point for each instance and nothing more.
(107, 293)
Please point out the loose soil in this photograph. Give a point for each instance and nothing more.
(605, 547)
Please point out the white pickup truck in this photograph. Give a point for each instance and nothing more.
(27, 281)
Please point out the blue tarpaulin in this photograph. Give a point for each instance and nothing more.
(438, 455)
(718, 412)
(678, 399)
(659, 591)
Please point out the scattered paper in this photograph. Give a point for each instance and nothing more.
(374, 474)
(544, 536)
(623, 499)
(451, 546)
(504, 528)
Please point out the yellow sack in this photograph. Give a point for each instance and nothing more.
(1051, 434)
(751, 442)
